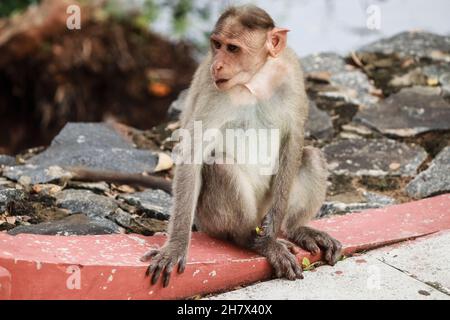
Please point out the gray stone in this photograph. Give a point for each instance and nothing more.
(379, 200)
(414, 77)
(323, 62)
(413, 44)
(91, 145)
(319, 124)
(436, 72)
(7, 160)
(357, 129)
(407, 113)
(93, 186)
(139, 224)
(122, 218)
(433, 181)
(84, 201)
(377, 158)
(5, 183)
(349, 84)
(373, 201)
(34, 174)
(10, 194)
(155, 203)
(445, 82)
(77, 224)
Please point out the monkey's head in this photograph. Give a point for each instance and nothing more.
(242, 41)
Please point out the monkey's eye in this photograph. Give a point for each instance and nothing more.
(216, 44)
(232, 48)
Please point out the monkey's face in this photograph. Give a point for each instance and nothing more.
(237, 57)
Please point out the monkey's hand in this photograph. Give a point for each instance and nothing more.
(163, 261)
(278, 252)
(284, 263)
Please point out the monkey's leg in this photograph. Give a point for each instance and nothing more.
(307, 196)
(227, 209)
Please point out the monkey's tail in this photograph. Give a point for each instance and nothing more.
(83, 174)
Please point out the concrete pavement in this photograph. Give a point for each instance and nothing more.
(418, 270)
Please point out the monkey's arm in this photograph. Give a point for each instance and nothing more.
(197, 84)
(186, 189)
(289, 163)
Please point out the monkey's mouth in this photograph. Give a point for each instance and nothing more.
(221, 81)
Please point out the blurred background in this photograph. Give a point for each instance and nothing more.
(131, 58)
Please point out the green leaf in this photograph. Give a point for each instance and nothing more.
(306, 263)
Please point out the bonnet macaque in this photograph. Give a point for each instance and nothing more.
(249, 80)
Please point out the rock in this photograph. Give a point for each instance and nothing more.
(91, 145)
(34, 174)
(408, 113)
(5, 183)
(76, 224)
(10, 194)
(379, 200)
(87, 202)
(138, 224)
(439, 74)
(363, 157)
(433, 181)
(121, 217)
(372, 201)
(329, 62)
(7, 160)
(155, 203)
(413, 44)
(357, 129)
(46, 189)
(319, 124)
(100, 187)
(414, 77)
(348, 83)
(177, 106)
(445, 80)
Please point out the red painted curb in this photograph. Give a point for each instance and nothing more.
(5, 284)
(108, 267)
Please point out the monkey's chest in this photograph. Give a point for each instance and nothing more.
(250, 140)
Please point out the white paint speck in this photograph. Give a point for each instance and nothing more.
(213, 273)
(110, 278)
(38, 265)
(196, 272)
(81, 139)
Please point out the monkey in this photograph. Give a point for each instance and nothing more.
(249, 79)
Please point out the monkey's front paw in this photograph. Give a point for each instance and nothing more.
(312, 240)
(284, 263)
(163, 261)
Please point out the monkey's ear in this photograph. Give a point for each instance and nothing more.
(277, 41)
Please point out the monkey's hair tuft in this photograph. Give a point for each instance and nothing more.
(249, 16)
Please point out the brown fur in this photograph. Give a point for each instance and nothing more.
(230, 200)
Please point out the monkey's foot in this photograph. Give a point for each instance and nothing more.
(313, 240)
(284, 263)
(163, 261)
